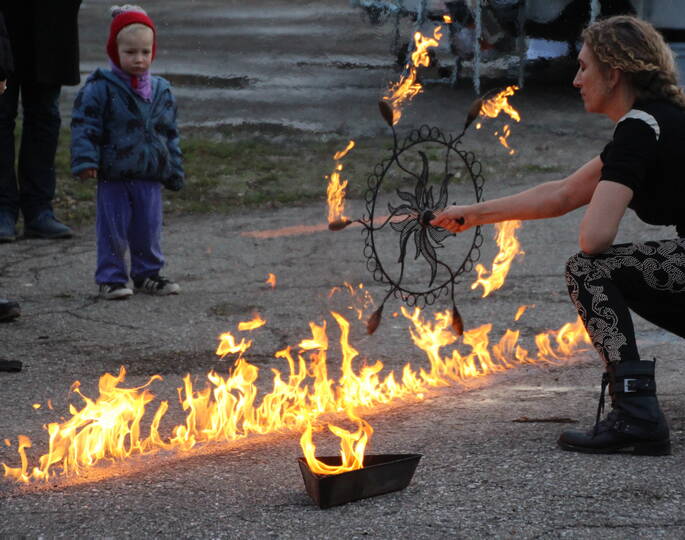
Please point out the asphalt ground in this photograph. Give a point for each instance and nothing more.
(482, 473)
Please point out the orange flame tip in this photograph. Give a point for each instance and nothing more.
(256, 322)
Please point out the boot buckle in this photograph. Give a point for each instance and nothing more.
(630, 385)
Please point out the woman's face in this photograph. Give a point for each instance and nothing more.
(592, 81)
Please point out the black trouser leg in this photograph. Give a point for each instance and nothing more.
(648, 278)
(40, 134)
(9, 191)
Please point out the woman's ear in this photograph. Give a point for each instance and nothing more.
(614, 78)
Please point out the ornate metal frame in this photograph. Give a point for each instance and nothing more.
(411, 218)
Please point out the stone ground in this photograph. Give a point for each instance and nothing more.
(481, 474)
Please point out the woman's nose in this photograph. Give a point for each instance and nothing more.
(577, 80)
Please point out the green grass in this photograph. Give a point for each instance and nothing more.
(256, 167)
(228, 169)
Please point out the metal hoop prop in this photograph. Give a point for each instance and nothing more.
(405, 192)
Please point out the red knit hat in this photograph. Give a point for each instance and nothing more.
(122, 20)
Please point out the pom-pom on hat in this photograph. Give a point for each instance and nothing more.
(122, 17)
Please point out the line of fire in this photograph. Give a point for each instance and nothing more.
(123, 422)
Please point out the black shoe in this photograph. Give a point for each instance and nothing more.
(9, 310)
(157, 285)
(8, 228)
(114, 291)
(46, 225)
(636, 423)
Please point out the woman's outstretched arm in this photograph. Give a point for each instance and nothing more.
(550, 199)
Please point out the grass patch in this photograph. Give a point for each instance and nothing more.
(229, 169)
(261, 166)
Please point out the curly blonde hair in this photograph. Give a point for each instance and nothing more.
(636, 48)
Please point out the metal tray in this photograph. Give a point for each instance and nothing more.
(382, 473)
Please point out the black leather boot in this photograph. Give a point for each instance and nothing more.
(635, 424)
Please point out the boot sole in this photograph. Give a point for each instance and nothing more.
(644, 448)
(30, 234)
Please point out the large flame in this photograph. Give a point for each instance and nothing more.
(335, 192)
(509, 249)
(492, 108)
(408, 86)
(229, 407)
(352, 446)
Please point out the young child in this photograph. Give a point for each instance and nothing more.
(123, 132)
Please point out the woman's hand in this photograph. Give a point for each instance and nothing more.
(86, 174)
(455, 219)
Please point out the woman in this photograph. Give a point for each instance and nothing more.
(626, 72)
(8, 309)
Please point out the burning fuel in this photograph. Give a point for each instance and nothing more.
(521, 310)
(408, 86)
(492, 107)
(335, 192)
(271, 280)
(509, 249)
(253, 324)
(110, 427)
(352, 446)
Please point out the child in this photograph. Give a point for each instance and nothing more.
(124, 134)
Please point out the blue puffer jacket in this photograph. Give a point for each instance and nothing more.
(125, 138)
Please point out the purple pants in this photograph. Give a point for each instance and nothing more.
(129, 216)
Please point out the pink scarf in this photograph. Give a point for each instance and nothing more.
(140, 85)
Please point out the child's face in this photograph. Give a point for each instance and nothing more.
(135, 50)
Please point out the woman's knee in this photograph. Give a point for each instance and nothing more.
(578, 264)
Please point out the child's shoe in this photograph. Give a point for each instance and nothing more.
(114, 291)
(156, 285)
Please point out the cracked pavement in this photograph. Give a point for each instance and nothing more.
(482, 474)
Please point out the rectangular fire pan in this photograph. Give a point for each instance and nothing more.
(381, 473)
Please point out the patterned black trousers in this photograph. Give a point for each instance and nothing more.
(648, 278)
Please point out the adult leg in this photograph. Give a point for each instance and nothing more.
(36, 167)
(650, 279)
(9, 193)
(112, 223)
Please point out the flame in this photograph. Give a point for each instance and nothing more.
(447, 19)
(408, 87)
(521, 310)
(493, 106)
(352, 446)
(361, 299)
(228, 345)
(271, 280)
(253, 324)
(506, 131)
(336, 190)
(229, 407)
(509, 248)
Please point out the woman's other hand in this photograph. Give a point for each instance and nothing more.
(455, 219)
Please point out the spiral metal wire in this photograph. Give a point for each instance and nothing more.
(410, 217)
